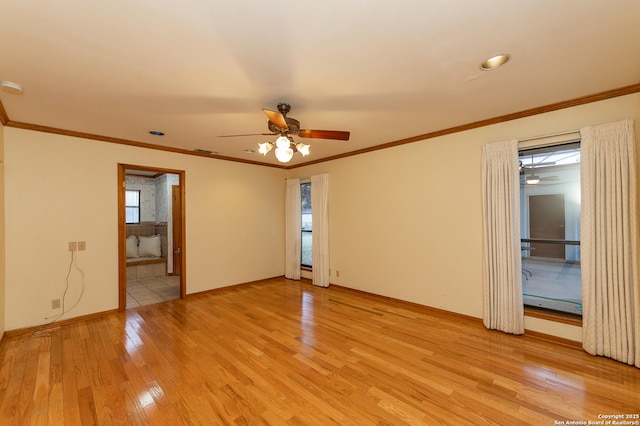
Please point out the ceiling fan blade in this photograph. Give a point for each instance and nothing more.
(276, 118)
(247, 134)
(325, 134)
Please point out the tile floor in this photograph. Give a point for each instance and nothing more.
(147, 291)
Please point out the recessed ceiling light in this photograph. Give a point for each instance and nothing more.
(11, 87)
(495, 62)
(156, 133)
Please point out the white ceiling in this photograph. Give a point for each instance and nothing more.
(382, 70)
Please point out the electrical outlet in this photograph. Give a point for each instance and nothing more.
(337, 273)
(82, 245)
(73, 246)
(55, 304)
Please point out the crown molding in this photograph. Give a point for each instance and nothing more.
(4, 118)
(73, 133)
(609, 94)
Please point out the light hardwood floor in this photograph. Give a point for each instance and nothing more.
(285, 352)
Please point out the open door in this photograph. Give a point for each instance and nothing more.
(176, 226)
(178, 207)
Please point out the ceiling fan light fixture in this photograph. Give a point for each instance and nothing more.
(533, 179)
(283, 142)
(264, 148)
(286, 128)
(284, 155)
(284, 152)
(303, 149)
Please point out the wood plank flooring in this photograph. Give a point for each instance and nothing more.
(284, 352)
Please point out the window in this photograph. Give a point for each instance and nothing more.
(305, 197)
(550, 228)
(132, 206)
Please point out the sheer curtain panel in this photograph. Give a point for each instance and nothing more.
(502, 272)
(320, 224)
(609, 242)
(293, 225)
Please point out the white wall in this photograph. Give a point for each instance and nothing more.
(60, 189)
(406, 222)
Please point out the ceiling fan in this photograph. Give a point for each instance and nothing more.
(533, 178)
(287, 127)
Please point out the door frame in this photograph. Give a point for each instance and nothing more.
(176, 229)
(122, 230)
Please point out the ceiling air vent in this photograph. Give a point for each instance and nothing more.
(203, 151)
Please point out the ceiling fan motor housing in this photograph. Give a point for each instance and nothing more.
(292, 124)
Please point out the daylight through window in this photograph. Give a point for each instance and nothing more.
(307, 231)
(550, 227)
(132, 206)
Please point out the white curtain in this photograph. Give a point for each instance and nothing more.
(610, 289)
(293, 232)
(320, 225)
(502, 273)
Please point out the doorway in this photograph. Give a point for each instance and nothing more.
(150, 245)
(547, 221)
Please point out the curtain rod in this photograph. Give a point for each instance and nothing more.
(550, 135)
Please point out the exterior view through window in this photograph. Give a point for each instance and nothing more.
(550, 227)
(132, 206)
(305, 196)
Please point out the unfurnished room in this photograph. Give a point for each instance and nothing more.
(319, 213)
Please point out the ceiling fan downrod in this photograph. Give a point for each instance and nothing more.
(284, 108)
